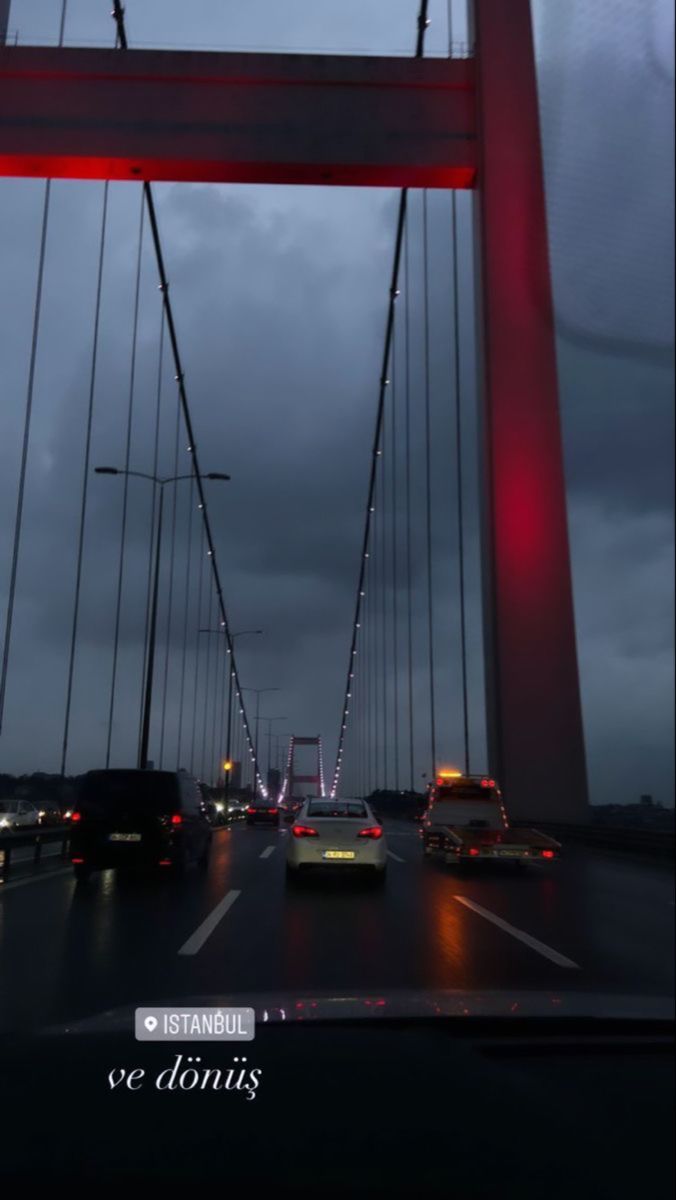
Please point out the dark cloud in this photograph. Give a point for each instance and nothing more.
(280, 299)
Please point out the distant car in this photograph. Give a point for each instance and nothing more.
(50, 813)
(18, 814)
(289, 810)
(262, 812)
(128, 818)
(336, 834)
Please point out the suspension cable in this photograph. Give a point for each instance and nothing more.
(458, 448)
(125, 493)
(28, 412)
(118, 17)
(170, 597)
(151, 546)
(395, 612)
(428, 491)
(422, 25)
(186, 608)
(409, 523)
(85, 477)
(197, 651)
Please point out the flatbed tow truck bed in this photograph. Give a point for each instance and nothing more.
(457, 842)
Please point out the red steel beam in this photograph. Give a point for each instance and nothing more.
(236, 118)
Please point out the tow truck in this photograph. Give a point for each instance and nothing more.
(466, 822)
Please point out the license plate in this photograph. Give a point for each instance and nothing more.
(509, 853)
(341, 854)
(124, 837)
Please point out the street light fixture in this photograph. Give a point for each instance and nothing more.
(158, 481)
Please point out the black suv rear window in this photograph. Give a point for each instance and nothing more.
(105, 793)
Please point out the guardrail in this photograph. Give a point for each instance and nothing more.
(654, 843)
(37, 838)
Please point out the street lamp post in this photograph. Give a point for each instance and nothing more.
(152, 636)
(228, 739)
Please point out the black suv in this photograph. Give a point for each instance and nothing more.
(126, 818)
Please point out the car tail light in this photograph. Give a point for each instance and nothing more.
(76, 816)
(79, 861)
(474, 851)
(176, 819)
(272, 810)
(547, 853)
(165, 862)
(374, 831)
(251, 810)
(303, 831)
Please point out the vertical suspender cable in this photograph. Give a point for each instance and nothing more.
(428, 490)
(197, 652)
(28, 412)
(186, 609)
(153, 509)
(170, 597)
(208, 640)
(383, 598)
(458, 447)
(123, 530)
(85, 478)
(459, 477)
(220, 644)
(409, 527)
(395, 609)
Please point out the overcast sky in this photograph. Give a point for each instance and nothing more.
(280, 297)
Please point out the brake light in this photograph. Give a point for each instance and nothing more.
(272, 810)
(547, 853)
(374, 831)
(474, 851)
(76, 816)
(176, 819)
(251, 809)
(303, 831)
(79, 861)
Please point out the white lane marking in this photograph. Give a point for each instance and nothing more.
(391, 854)
(16, 883)
(203, 931)
(539, 947)
(267, 852)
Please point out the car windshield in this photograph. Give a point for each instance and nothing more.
(105, 793)
(336, 808)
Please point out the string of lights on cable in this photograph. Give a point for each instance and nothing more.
(423, 25)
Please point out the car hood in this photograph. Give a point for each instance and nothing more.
(414, 1006)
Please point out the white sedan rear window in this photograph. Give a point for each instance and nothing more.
(336, 808)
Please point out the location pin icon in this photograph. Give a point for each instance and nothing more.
(150, 1023)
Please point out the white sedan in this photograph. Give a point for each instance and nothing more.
(336, 833)
(15, 814)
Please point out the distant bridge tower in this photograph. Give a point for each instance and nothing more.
(292, 780)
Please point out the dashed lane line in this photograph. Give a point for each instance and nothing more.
(391, 854)
(539, 947)
(267, 852)
(203, 931)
